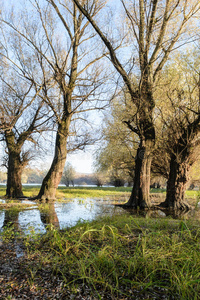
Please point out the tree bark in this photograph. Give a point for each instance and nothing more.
(176, 185)
(146, 132)
(14, 174)
(15, 166)
(52, 179)
(140, 193)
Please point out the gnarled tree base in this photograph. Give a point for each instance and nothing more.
(133, 205)
(182, 205)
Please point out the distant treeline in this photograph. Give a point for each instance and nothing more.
(36, 176)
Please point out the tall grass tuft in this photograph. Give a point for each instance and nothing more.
(124, 256)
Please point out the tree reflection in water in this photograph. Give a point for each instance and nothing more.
(11, 218)
(66, 214)
(48, 215)
(165, 213)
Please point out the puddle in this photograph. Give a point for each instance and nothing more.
(29, 220)
(2, 216)
(65, 215)
(36, 218)
(61, 215)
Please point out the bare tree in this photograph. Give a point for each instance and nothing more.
(68, 175)
(156, 28)
(57, 34)
(19, 103)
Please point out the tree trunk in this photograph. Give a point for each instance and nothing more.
(52, 179)
(14, 173)
(146, 132)
(176, 185)
(141, 187)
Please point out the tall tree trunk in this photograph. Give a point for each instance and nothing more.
(14, 174)
(176, 185)
(52, 179)
(146, 130)
(141, 187)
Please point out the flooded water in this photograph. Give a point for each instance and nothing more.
(61, 215)
(65, 215)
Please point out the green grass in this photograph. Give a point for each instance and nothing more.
(91, 192)
(192, 194)
(158, 191)
(188, 193)
(123, 255)
(2, 190)
(76, 192)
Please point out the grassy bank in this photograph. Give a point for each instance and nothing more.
(112, 194)
(117, 258)
(82, 192)
(76, 192)
(93, 192)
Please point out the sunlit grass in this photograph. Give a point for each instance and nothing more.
(31, 191)
(104, 193)
(122, 254)
(192, 194)
(2, 190)
(80, 192)
(163, 191)
(94, 192)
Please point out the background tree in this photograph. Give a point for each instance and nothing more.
(68, 175)
(100, 178)
(34, 174)
(154, 28)
(3, 176)
(116, 155)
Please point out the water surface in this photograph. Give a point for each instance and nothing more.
(60, 214)
(66, 214)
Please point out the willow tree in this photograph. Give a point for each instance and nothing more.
(57, 34)
(155, 28)
(180, 139)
